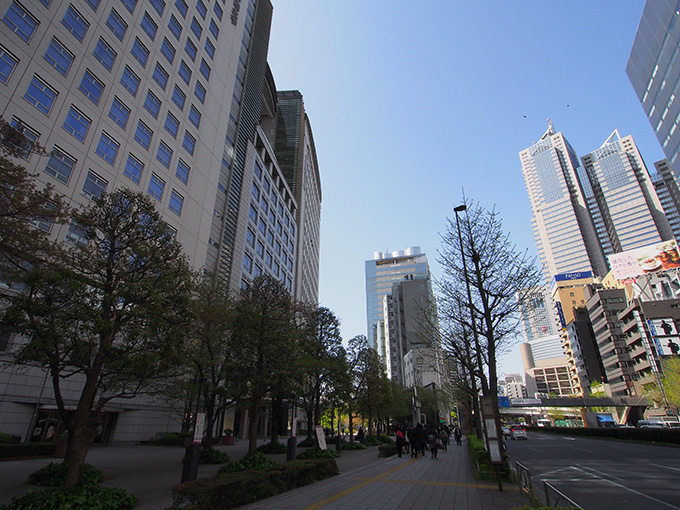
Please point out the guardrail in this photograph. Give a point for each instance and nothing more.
(559, 498)
(524, 478)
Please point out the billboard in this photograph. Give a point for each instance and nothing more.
(648, 259)
(667, 346)
(665, 335)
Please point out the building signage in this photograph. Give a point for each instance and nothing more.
(560, 314)
(562, 277)
(503, 402)
(653, 258)
(525, 401)
(662, 327)
(665, 333)
(667, 346)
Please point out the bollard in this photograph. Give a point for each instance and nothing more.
(338, 443)
(192, 454)
(292, 445)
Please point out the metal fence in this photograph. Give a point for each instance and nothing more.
(553, 497)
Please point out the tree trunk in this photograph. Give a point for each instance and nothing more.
(252, 426)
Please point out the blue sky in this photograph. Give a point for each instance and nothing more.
(413, 102)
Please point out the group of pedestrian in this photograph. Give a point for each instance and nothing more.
(418, 439)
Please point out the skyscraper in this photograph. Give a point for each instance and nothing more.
(653, 69)
(564, 230)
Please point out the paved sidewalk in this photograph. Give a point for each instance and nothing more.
(365, 480)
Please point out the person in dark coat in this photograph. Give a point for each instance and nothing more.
(411, 434)
(400, 440)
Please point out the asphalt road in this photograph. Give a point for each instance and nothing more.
(601, 474)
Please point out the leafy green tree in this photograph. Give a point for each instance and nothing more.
(264, 334)
(671, 380)
(110, 313)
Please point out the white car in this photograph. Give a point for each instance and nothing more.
(506, 430)
(518, 432)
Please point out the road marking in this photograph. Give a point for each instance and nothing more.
(665, 467)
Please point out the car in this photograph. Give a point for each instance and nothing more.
(518, 432)
(506, 431)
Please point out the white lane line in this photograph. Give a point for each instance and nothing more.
(631, 490)
(665, 467)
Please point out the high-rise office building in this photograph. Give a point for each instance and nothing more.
(666, 186)
(171, 98)
(564, 230)
(381, 272)
(653, 69)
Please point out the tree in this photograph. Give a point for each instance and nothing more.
(264, 334)
(23, 205)
(671, 380)
(499, 278)
(322, 362)
(109, 313)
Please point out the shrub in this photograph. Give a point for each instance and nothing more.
(168, 439)
(5, 438)
(485, 470)
(90, 497)
(256, 462)
(387, 450)
(225, 491)
(353, 446)
(372, 441)
(53, 475)
(27, 450)
(319, 454)
(273, 448)
(306, 443)
(210, 455)
(653, 435)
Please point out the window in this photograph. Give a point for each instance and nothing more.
(260, 249)
(156, 187)
(60, 165)
(117, 25)
(91, 87)
(130, 81)
(182, 7)
(160, 76)
(129, 5)
(140, 52)
(176, 202)
(194, 116)
(133, 169)
(199, 92)
(201, 8)
(164, 154)
(94, 186)
(196, 28)
(77, 124)
(250, 238)
(143, 135)
(152, 104)
(171, 124)
(262, 225)
(159, 5)
(40, 95)
(252, 213)
(168, 50)
(105, 54)
(210, 48)
(107, 148)
(190, 49)
(76, 235)
(189, 143)
(59, 57)
(149, 26)
(7, 64)
(179, 97)
(182, 171)
(214, 29)
(205, 69)
(20, 21)
(184, 72)
(247, 262)
(75, 23)
(31, 137)
(175, 27)
(119, 112)
(93, 3)
(255, 192)
(218, 10)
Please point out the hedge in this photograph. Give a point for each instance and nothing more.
(652, 435)
(26, 450)
(232, 490)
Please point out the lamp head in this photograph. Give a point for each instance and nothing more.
(460, 208)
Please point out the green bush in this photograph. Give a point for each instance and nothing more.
(26, 450)
(353, 446)
(168, 439)
(480, 457)
(272, 448)
(54, 474)
(387, 450)
(652, 435)
(210, 455)
(5, 438)
(256, 462)
(306, 443)
(225, 491)
(319, 454)
(90, 497)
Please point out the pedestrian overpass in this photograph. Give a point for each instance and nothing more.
(630, 407)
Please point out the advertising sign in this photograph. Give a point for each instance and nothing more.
(662, 327)
(321, 438)
(648, 259)
(667, 346)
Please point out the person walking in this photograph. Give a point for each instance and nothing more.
(457, 434)
(411, 434)
(400, 440)
(433, 441)
(444, 437)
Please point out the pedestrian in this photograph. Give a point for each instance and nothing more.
(411, 435)
(457, 434)
(444, 437)
(400, 440)
(421, 439)
(433, 441)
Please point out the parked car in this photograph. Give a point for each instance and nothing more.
(518, 432)
(506, 430)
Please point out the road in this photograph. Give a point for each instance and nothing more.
(601, 474)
